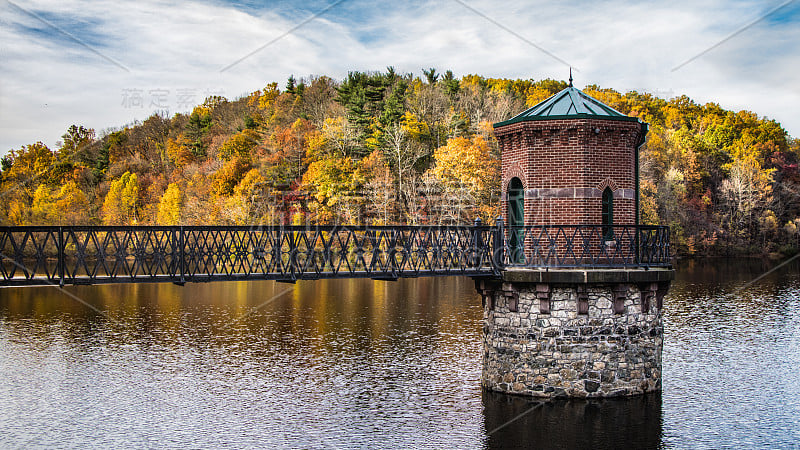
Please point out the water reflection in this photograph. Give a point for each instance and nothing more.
(360, 363)
(517, 422)
(319, 364)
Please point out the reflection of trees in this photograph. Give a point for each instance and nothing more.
(707, 290)
(323, 316)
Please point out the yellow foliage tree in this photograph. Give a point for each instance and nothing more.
(119, 207)
(536, 95)
(268, 95)
(18, 212)
(72, 204)
(239, 145)
(467, 166)
(226, 178)
(414, 127)
(43, 205)
(247, 203)
(169, 208)
(178, 151)
(332, 181)
(338, 135)
(467, 162)
(65, 206)
(25, 169)
(648, 206)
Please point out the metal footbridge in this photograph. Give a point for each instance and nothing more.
(85, 255)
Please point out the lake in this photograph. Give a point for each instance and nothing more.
(377, 364)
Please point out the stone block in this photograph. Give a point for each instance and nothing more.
(568, 374)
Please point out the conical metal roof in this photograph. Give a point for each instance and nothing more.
(570, 103)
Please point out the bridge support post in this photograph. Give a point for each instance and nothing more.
(60, 261)
(182, 255)
(573, 333)
(498, 246)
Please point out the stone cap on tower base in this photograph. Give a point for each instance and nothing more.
(583, 276)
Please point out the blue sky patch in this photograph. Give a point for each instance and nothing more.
(60, 29)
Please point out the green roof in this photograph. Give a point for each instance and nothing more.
(571, 103)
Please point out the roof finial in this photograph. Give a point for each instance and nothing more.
(570, 76)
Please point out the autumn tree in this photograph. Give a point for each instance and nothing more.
(430, 103)
(468, 170)
(745, 192)
(26, 168)
(542, 90)
(339, 136)
(402, 153)
(318, 100)
(67, 205)
(169, 208)
(249, 198)
(76, 146)
(148, 141)
(333, 182)
(291, 145)
(240, 145)
(121, 202)
(379, 188)
(179, 151)
(226, 178)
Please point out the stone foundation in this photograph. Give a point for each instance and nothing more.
(559, 334)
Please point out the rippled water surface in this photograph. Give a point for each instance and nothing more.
(732, 356)
(361, 363)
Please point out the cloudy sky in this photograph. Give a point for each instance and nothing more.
(106, 63)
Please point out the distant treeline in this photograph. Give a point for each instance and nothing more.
(391, 148)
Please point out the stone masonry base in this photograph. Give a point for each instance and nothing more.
(547, 338)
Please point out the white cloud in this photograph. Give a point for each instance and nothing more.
(48, 84)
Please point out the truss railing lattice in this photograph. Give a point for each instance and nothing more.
(64, 255)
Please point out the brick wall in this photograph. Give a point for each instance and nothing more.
(564, 166)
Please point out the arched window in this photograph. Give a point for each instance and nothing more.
(608, 214)
(516, 220)
(516, 203)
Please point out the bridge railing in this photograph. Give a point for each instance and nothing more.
(588, 246)
(93, 255)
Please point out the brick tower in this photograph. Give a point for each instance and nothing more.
(576, 309)
(570, 159)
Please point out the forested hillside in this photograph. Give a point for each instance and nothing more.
(391, 148)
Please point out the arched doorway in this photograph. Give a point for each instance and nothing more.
(516, 220)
